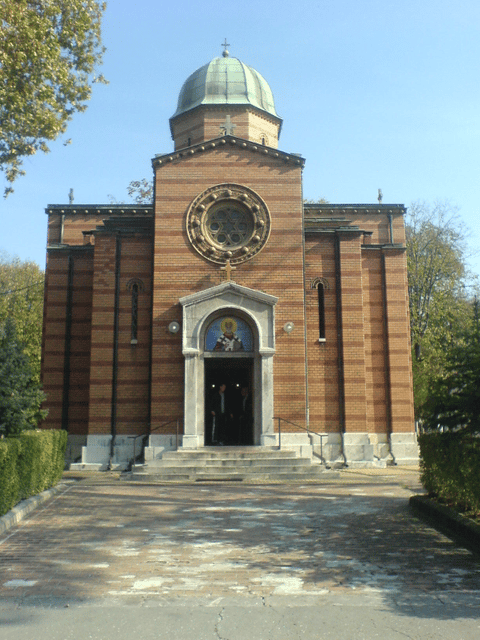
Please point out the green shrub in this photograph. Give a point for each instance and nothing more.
(29, 464)
(450, 465)
(9, 482)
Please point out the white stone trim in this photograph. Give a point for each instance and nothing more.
(96, 453)
(405, 448)
(158, 443)
(362, 450)
(198, 309)
(73, 452)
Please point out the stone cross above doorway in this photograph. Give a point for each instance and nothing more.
(228, 270)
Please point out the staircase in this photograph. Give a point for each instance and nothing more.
(230, 464)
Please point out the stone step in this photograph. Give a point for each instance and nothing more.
(229, 453)
(229, 464)
(166, 475)
(218, 467)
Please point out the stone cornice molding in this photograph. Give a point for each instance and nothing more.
(349, 209)
(222, 143)
(68, 248)
(228, 287)
(266, 352)
(386, 247)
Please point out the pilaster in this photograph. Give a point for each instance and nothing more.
(352, 331)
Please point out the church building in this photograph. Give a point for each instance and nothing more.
(228, 287)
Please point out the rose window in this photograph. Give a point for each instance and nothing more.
(228, 223)
(229, 226)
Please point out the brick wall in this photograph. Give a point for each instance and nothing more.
(65, 375)
(368, 365)
(132, 383)
(205, 124)
(277, 269)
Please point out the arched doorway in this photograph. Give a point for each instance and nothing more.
(236, 374)
(229, 363)
(206, 365)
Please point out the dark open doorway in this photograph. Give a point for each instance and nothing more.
(235, 428)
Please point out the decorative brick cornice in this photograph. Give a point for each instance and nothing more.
(324, 211)
(95, 209)
(221, 143)
(324, 218)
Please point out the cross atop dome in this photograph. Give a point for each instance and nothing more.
(225, 53)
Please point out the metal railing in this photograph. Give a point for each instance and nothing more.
(146, 435)
(309, 433)
(165, 424)
(135, 438)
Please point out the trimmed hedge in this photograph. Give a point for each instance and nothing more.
(450, 465)
(29, 464)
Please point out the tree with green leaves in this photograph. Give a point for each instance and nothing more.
(21, 299)
(438, 283)
(317, 201)
(20, 395)
(454, 399)
(49, 51)
(141, 191)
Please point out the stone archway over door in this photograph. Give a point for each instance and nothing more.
(198, 310)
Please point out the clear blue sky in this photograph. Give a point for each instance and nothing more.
(374, 94)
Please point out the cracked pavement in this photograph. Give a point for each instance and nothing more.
(344, 558)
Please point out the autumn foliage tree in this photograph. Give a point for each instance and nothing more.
(49, 51)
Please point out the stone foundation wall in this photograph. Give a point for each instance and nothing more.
(360, 450)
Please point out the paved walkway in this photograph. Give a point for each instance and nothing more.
(344, 559)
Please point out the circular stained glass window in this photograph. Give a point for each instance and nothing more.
(229, 226)
(228, 222)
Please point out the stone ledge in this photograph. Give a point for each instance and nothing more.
(23, 508)
(448, 521)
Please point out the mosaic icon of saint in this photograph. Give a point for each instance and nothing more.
(229, 340)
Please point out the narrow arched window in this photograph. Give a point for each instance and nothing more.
(134, 313)
(321, 285)
(135, 287)
(321, 311)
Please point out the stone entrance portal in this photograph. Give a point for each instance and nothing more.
(207, 357)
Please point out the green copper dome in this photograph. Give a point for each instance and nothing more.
(225, 81)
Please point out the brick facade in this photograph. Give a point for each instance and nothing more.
(112, 365)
